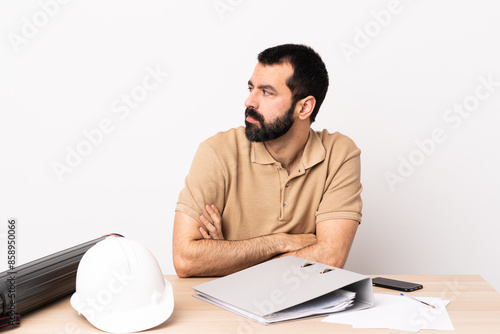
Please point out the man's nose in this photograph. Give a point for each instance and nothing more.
(251, 101)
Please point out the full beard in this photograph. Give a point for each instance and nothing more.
(277, 128)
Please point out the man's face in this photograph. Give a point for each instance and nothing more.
(269, 113)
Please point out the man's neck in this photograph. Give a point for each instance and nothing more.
(288, 149)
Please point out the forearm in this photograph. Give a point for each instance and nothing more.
(335, 239)
(321, 253)
(195, 253)
(204, 257)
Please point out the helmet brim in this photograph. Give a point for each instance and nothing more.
(134, 320)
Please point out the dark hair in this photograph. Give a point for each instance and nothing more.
(310, 76)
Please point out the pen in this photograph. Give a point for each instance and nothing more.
(418, 300)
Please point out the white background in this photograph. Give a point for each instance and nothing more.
(70, 72)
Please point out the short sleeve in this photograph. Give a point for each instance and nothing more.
(204, 184)
(342, 197)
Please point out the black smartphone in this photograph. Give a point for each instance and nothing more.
(395, 284)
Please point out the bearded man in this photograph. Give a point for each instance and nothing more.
(275, 187)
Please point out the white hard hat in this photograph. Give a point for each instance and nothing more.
(120, 287)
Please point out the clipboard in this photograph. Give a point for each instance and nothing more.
(286, 286)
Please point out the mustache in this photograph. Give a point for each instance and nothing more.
(254, 114)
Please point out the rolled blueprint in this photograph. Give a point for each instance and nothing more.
(39, 282)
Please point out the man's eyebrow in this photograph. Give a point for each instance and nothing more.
(267, 87)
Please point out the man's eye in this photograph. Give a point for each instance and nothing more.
(250, 89)
(267, 93)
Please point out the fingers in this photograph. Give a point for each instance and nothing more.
(212, 231)
(216, 218)
(209, 230)
(204, 233)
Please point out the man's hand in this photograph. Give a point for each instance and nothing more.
(299, 241)
(213, 231)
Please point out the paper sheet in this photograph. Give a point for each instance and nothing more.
(398, 312)
(336, 301)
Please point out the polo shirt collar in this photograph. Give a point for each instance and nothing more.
(260, 154)
(314, 152)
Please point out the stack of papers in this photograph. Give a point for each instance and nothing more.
(398, 312)
(335, 301)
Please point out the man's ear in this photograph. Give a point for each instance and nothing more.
(306, 105)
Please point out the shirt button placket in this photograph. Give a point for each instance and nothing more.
(285, 203)
(283, 175)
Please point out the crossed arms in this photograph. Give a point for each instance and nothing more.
(202, 251)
